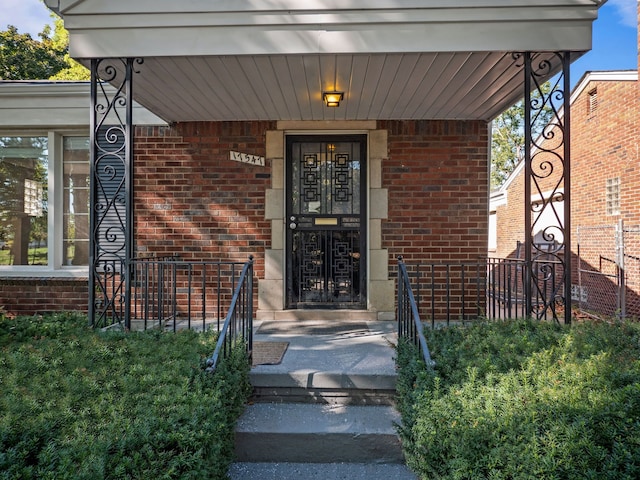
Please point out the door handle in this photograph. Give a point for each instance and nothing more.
(293, 225)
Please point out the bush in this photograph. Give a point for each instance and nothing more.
(524, 400)
(81, 404)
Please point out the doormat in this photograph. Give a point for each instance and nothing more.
(312, 328)
(268, 353)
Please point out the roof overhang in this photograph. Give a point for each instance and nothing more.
(272, 59)
(45, 105)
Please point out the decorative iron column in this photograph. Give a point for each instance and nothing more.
(111, 232)
(547, 278)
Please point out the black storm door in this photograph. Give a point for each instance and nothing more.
(325, 220)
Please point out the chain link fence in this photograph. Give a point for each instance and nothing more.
(608, 267)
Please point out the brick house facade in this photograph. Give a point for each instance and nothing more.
(193, 201)
(420, 108)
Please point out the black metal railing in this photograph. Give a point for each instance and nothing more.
(505, 292)
(492, 288)
(409, 323)
(171, 293)
(449, 292)
(506, 295)
(238, 323)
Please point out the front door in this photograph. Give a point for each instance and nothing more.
(325, 217)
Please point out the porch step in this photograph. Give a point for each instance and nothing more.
(328, 387)
(320, 471)
(314, 433)
(329, 315)
(327, 396)
(327, 406)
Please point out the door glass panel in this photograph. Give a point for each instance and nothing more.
(326, 178)
(326, 267)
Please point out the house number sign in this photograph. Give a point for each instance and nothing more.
(246, 158)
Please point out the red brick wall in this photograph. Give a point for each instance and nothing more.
(437, 177)
(28, 296)
(605, 145)
(510, 220)
(192, 200)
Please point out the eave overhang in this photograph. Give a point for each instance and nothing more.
(271, 60)
(43, 105)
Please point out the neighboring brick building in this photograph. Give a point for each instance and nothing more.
(605, 181)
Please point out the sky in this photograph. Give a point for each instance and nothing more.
(615, 33)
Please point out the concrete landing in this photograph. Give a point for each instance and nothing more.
(356, 366)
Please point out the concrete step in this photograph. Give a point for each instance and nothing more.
(320, 471)
(315, 433)
(327, 396)
(346, 378)
(318, 386)
(329, 315)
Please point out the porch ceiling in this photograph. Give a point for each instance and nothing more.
(278, 87)
(272, 59)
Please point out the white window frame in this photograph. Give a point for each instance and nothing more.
(493, 231)
(55, 231)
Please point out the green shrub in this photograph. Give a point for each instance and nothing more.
(81, 404)
(524, 400)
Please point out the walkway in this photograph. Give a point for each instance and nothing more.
(326, 410)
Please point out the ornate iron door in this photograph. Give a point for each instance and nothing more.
(326, 206)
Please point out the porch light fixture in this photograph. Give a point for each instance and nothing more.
(332, 99)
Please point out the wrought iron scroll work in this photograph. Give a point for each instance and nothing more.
(111, 190)
(547, 186)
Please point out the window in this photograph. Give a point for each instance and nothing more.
(76, 201)
(39, 227)
(493, 231)
(613, 196)
(23, 200)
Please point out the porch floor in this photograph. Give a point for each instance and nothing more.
(329, 354)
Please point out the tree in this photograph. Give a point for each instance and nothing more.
(73, 70)
(23, 58)
(507, 141)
